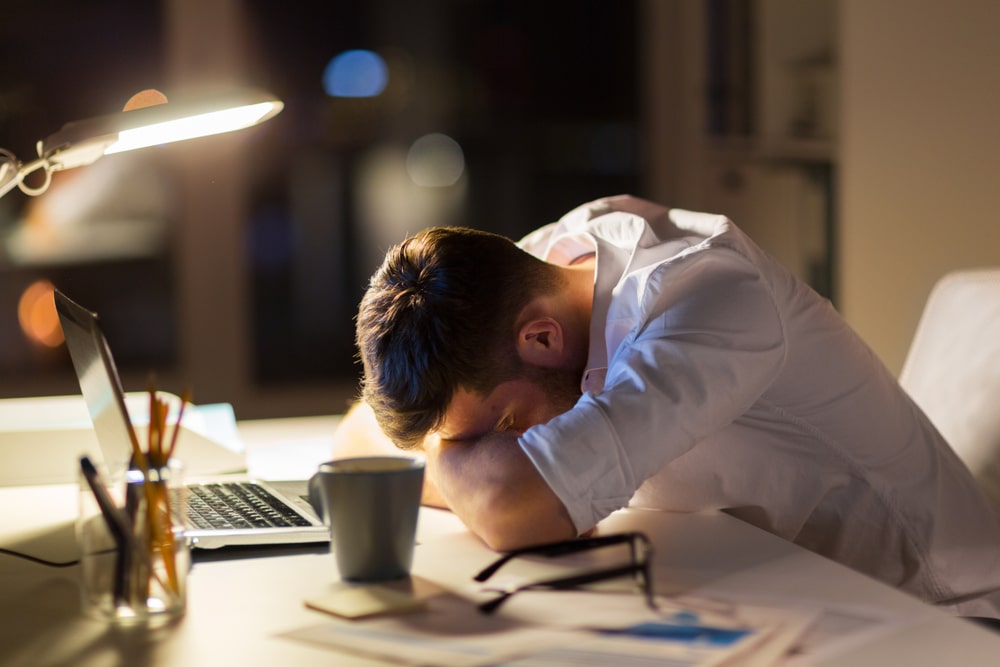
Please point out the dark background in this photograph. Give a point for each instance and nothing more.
(541, 96)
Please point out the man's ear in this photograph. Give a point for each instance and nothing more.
(540, 341)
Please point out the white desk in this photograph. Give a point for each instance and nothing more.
(239, 608)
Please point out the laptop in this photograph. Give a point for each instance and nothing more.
(224, 510)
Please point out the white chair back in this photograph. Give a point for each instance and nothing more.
(952, 369)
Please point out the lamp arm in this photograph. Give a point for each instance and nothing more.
(13, 172)
(10, 171)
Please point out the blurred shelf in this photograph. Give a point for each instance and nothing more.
(822, 151)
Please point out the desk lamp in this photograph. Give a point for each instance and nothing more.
(83, 142)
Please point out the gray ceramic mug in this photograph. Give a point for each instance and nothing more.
(371, 505)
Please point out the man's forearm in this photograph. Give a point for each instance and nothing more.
(497, 492)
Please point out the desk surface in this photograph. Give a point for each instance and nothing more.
(246, 609)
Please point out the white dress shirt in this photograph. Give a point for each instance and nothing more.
(718, 380)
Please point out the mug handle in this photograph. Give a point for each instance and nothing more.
(316, 498)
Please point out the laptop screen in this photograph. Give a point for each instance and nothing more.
(99, 381)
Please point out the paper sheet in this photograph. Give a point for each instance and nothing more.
(841, 627)
(449, 634)
(597, 628)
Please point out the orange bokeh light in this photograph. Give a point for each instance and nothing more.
(36, 311)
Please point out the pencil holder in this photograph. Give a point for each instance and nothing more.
(133, 553)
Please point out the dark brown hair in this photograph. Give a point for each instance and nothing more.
(440, 314)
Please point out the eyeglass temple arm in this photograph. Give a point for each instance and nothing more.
(562, 583)
(562, 548)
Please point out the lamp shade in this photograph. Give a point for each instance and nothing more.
(82, 142)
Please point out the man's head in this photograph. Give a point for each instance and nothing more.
(440, 316)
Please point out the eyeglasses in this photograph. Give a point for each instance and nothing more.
(640, 550)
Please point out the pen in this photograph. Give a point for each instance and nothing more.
(120, 531)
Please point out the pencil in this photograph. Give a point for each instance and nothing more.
(185, 399)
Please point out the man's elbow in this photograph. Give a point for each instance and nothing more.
(518, 525)
(497, 492)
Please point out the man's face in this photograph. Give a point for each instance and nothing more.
(513, 406)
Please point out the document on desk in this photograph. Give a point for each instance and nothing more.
(563, 628)
(449, 633)
(685, 631)
(839, 628)
(42, 438)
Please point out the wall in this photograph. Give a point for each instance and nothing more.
(919, 157)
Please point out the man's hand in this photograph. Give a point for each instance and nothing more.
(496, 491)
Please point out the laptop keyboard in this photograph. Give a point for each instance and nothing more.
(231, 505)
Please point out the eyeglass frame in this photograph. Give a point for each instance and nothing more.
(638, 567)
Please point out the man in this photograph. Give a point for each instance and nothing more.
(633, 354)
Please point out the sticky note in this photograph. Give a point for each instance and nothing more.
(365, 602)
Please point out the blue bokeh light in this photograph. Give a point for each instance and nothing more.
(355, 73)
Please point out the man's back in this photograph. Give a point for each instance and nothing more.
(760, 400)
(835, 457)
